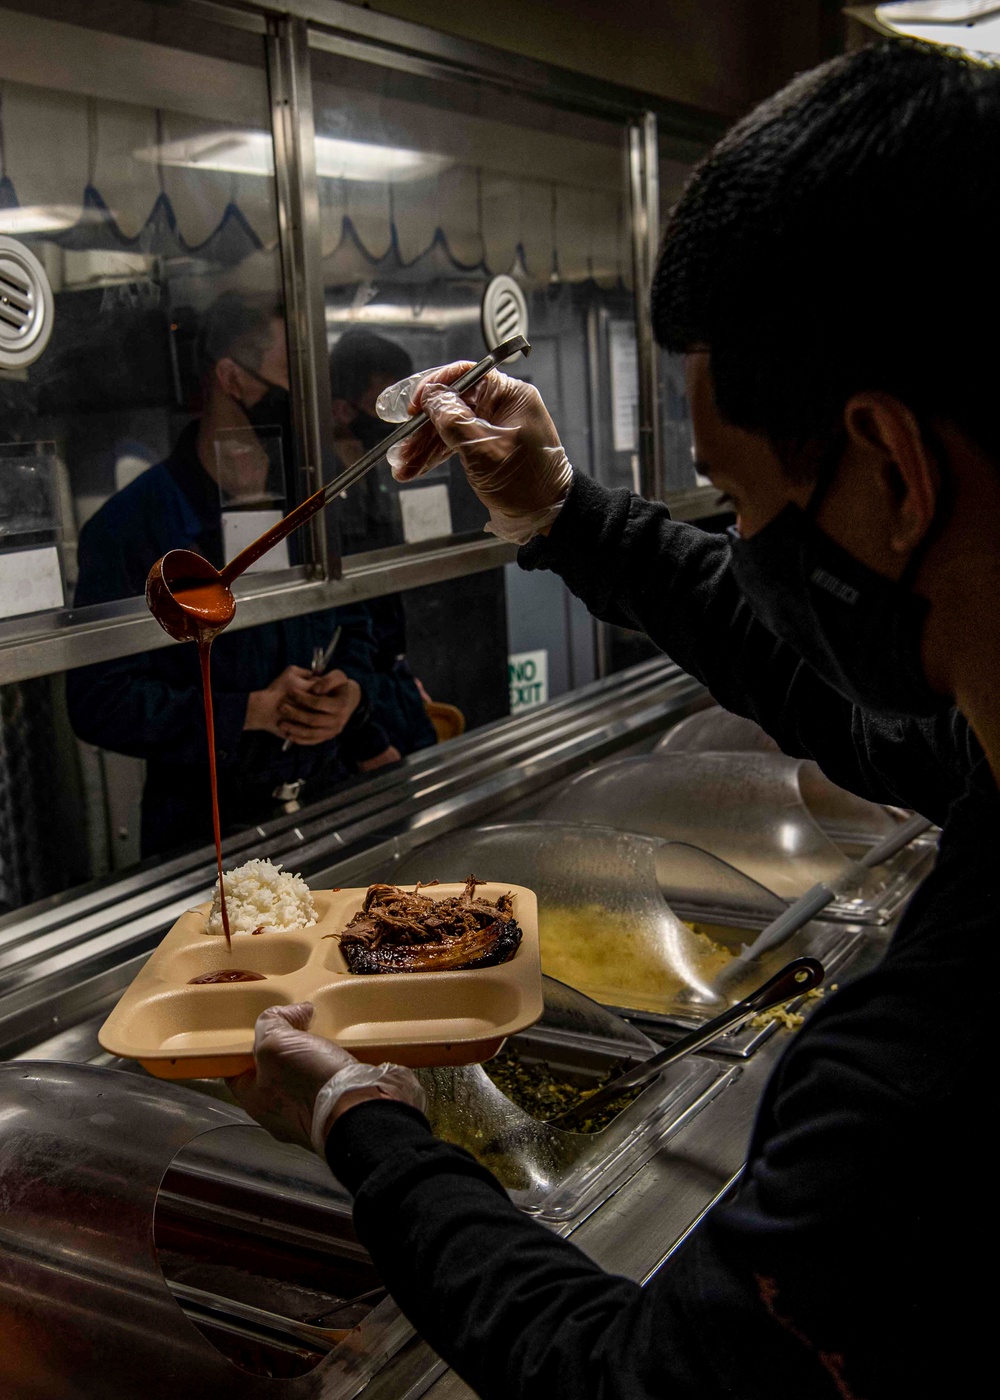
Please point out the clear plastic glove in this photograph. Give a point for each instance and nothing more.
(293, 1067)
(504, 436)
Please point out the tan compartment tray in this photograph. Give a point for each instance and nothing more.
(179, 1031)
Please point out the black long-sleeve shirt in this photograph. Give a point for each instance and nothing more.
(846, 1264)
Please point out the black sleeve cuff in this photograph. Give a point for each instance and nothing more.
(362, 736)
(363, 1137)
(578, 527)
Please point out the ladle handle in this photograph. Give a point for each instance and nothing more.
(364, 464)
(472, 376)
(909, 831)
(794, 980)
(808, 905)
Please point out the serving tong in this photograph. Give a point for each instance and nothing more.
(321, 658)
(794, 980)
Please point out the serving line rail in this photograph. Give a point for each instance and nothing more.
(64, 961)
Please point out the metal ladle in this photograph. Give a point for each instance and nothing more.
(193, 601)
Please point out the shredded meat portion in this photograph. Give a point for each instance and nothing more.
(400, 930)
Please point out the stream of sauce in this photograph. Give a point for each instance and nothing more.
(205, 657)
(208, 603)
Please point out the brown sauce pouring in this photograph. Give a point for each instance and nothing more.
(192, 601)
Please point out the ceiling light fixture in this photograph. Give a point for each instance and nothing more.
(382, 313)
(252, 153)
(971, 25)
(38, 218)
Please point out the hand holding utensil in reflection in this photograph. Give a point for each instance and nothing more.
(321, 658)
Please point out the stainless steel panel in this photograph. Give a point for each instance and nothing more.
(298, 226)
(645, 209)
(398, 43)
(87, 1308)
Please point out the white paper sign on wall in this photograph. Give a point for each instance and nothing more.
(528, 677)
(624, 386)
(242, 527)
(426, 513)
(30, 581)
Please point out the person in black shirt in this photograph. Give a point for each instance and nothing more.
(356, 717)
(362, 364)
(842, 400)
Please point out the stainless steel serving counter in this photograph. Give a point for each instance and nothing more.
(64, 963)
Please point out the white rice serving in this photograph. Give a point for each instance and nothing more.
(262, 895)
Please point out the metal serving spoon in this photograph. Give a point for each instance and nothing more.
(193, 601)
(794, 980)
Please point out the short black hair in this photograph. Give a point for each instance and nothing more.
(842, 238)
(241, 327)
(360, 354)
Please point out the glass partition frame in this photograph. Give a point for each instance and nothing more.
(43, 643)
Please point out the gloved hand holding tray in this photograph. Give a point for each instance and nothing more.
(178, 1029)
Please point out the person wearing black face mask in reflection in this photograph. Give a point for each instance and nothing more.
(362, 364)
(239, 451)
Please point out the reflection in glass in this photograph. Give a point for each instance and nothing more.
(286, 722)
(537, 194)
(165, 393)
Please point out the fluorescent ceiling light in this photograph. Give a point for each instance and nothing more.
(39, 218)
(382, 313)
(252, 153)
(971, 25)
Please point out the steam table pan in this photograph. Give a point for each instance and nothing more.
(179, 1031)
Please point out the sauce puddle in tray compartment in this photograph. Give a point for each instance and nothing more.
(228, 974)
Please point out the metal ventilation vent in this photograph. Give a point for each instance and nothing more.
(25, 305)
(505, 312)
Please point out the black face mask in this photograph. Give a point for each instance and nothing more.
(859, 631)
(369, 430)
(273, 410)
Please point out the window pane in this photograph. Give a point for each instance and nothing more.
(137, 167)
(102, 766)
(425, 195)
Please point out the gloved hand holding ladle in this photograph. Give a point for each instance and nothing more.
(193, 601)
